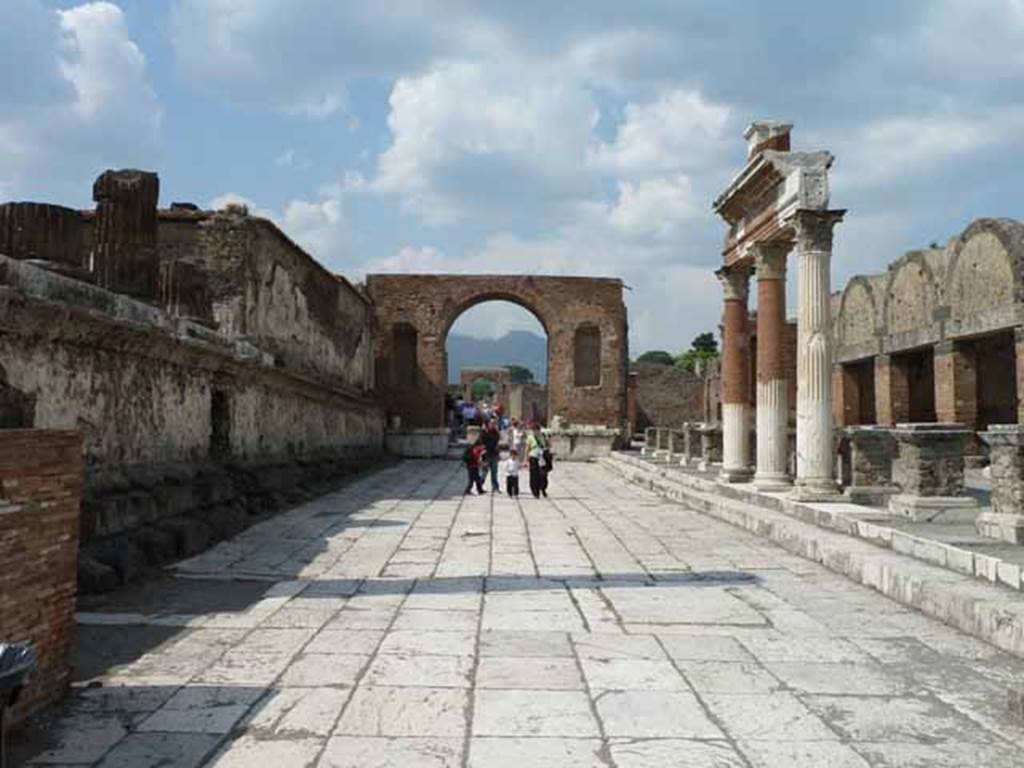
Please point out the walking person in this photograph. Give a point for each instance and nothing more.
(491, 439)
(473, 458)
(512, 474)
(536, 446)
(517, 438)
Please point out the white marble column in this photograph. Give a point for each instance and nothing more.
(815, 454)
(735, 377)
(772, 381)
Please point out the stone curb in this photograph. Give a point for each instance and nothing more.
(983, 610)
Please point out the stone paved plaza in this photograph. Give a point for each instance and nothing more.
(397, 623)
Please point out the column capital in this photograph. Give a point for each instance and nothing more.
(814, 228)
(770, 259)
(735, 282)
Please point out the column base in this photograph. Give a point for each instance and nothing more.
(934, 509)
(706, 466)
(772, 481)
(816, 490)
(735, 475)
(1002, 526)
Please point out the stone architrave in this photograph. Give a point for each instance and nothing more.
(735, 377)
(930, 473)
(871, 452)
(815, 465)
(772, 384)
(710, 446)
(1006, 451)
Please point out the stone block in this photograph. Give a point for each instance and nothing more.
(961, 560)
(1006, 451)
(934, 509)
(1008, 574)
(986, 567)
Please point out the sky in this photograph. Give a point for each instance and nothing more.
(585, 137)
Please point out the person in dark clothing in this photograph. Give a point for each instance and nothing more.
(536, 446)
(473, 458)
(491, 437)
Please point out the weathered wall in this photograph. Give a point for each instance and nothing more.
(667, 396)
(972, 286)
(428, 305)
(40, 495)
(266, 290)
(237, 377)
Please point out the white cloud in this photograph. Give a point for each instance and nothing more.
(680, 130)
(654, 206)
(99, 110)
(503, 125)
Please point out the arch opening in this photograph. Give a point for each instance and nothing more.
(496, 362)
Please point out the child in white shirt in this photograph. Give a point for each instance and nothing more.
(512, 473)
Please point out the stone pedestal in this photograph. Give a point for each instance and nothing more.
(870, 456)
(735, 377)
(710, 446)
(661, 443)
(650, 441)
(1006, 454)
(815, 460)
(691, 450)
(581, 442)
(425, 443)
(930, 473)
(676, 444)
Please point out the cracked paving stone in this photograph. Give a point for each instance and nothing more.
(677, 753)
(379, 752)
(649, 714)
(395, 711)
(504, 752)
(533, 713)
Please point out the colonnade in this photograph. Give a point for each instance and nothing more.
(811, 237)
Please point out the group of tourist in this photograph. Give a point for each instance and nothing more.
(483, 457)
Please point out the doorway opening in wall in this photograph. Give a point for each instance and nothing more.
(916, 370)
(996, 372)
(497, 361)
(859, 392)
(220, 424)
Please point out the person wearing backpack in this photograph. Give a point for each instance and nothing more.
(536, 448)
(473, 458)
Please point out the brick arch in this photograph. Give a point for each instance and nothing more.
(912, 294)
(984, 267)
(431, 304)
(858, 312)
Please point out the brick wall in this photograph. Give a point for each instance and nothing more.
(667, 397)
(40, 495)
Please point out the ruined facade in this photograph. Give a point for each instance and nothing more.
(938, 336)
(585, 322)
(209, 364)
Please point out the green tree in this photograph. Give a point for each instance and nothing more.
(519, 374)
(481, 389)
(703, 347)
(656, 356)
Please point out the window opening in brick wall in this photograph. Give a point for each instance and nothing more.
(587, 356)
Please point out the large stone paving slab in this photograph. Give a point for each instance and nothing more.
(400, 624)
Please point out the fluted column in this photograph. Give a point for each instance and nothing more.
(735, 377)
(772, 384)
(815, 456)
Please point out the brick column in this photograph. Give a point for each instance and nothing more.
(956, 384)
(772, 383)
(1018, 337)
(735, 377)
(815, 458)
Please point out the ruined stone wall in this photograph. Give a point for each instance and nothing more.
(668, 396)
(40, 496)
(973, 286)
(267, 290)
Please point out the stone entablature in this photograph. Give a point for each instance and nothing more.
(972, 286)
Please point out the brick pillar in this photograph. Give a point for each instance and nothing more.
(956, 384)
(735, 377)
(772, 382)
(892, 391)
(124, 233)
(631, 416)
(40, 500)
(815, 465)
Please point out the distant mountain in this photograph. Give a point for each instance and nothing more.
(515, 347)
